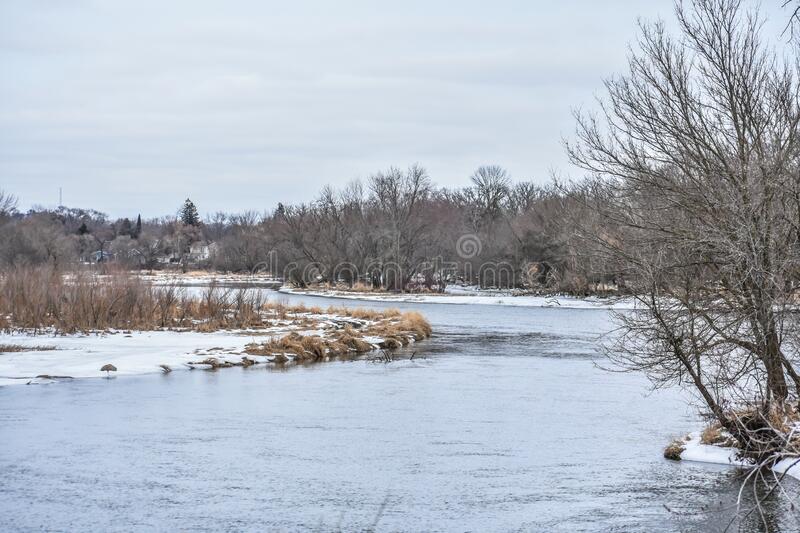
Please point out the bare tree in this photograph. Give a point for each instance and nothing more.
(146, 249)
(492, 187)
(694, 159)
(794, 16)
(8, 205)
(400, 198)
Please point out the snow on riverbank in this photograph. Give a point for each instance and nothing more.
(82, 356)
(203, 278)
(694, 450)
(472, 295)
(453, 294)
(298, 336)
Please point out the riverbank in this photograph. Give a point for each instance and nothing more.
(691, 448)
(301, 336)
(455, 294)
(452, 294)
(203, 278)
(283, 335)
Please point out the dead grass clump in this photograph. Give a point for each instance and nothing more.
(303, 348)
(272, 348)
(712, 435)
(354, 343)
(362, 313)
(254, 348)
(393, 343)
(361, 346)
(415, 324)
(396, 330)
(205, 327)
(299, 308)
(337, 348)
(281, 310)
(398, 333)
(784, 419)
(13, 348)
(760, 434)
(315, 345)
(291, 343)
(371, 314)
(674, 450)
(310, 348)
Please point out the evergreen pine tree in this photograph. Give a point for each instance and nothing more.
(83, 230)
(138, 230)
(188, 214)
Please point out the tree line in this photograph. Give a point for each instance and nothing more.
(396, 230)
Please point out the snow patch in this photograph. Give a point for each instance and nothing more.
(82, 356)
(455, 294)
(709, 453)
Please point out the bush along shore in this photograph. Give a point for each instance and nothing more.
(138, 325)
(774, 444)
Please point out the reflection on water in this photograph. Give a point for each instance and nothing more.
(502, 422)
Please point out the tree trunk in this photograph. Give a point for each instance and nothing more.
(773, 361)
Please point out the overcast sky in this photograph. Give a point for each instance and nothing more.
(133, 106)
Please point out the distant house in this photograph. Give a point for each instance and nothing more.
(168, 258)
(199, 252)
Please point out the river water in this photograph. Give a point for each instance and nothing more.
(503, 421)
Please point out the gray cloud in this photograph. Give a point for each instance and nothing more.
(132, 106)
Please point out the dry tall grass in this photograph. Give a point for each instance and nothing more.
(39, 298)
(394, 328)
(44, 298)
(13, 348)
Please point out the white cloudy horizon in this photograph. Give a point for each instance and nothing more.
(131, 107)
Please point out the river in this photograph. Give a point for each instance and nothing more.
(503, 421)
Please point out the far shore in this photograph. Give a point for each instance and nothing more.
(455, 294)
(452, 294)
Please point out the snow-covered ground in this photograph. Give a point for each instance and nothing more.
(455, 294)
(203, 278)
(709, 453)
(144, 352)
(82, 356)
